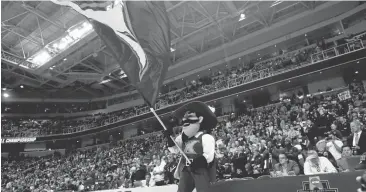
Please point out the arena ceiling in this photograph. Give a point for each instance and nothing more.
(52, 51)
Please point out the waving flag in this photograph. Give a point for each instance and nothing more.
(138, 36)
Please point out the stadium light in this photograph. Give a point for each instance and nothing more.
(40, 58)
(242, 17)
(21, 86)
(72, 36)
(105, 81)
(6, 95)
(4, 89)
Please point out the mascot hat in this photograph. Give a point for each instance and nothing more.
(201, 109)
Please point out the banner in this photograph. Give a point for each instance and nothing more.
(18, 140)
(344, 95)
(137, 33)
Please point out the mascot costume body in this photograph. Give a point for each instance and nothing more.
(197, 121)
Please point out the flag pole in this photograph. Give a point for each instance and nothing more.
(176, 144)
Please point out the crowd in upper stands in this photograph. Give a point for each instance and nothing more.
(268, 66)
(299, 135)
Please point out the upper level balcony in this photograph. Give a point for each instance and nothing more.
(225, 87)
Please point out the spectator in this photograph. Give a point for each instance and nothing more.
(335, 131)
(342, 162)
(334, 146)
(158, 173)
(315, 164)
(286, 167)
(138, 174)
(148, 182)
(358, 138)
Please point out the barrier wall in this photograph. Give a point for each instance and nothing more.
(340, 182)
(43, 153)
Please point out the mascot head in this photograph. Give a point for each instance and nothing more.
(194, 117)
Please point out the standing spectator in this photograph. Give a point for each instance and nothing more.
(315, 164)
(158, 173)
(334, 146)
(357, 139)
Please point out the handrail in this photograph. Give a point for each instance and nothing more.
(338, 50)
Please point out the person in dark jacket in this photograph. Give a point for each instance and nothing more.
(358, 138)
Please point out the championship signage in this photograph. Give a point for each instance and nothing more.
(18, 140)
(315, 184)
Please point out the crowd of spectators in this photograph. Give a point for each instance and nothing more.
(299, 135)
(275, 63)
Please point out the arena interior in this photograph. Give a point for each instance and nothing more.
(287, 80)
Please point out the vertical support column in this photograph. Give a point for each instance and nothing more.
(342, 27)
(40, 30)
(21, 45)
(184, 16)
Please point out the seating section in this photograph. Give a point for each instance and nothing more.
(248, 147)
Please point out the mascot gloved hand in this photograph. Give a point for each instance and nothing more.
(167, 134)
(199, 162)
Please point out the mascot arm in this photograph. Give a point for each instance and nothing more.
(174, 149)
(208, 143)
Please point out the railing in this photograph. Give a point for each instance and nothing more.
(337, 51)
(16, 60)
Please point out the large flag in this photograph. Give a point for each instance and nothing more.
(137, 34)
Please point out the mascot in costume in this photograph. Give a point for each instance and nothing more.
(197, 121)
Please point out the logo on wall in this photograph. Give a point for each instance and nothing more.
(315, 184)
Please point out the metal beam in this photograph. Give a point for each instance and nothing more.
(184, 42)
(10, 71)
(207, 26)
(92, 66)
(231, 6)
(36, 12)
(263, 17)
(30, 40)
(23, 19)
(175, 6)
(30, 34)
(40, 31)
(59, 72)
(184, 16)
(11, 18)
(207, 14)
(305, 5)
(84, 75)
